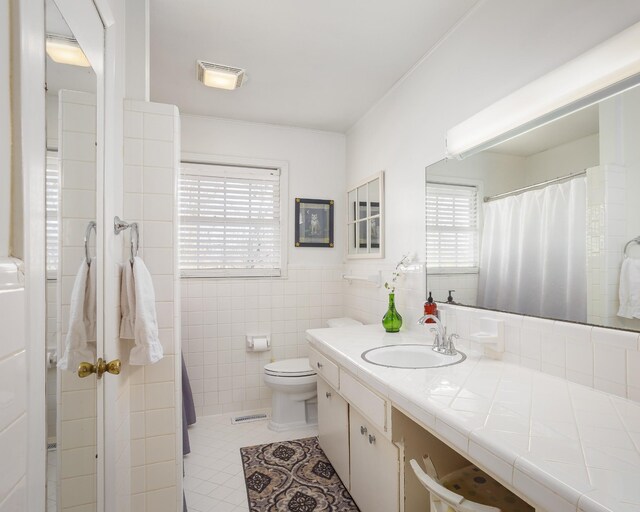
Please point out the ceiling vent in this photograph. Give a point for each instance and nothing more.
(220, 76)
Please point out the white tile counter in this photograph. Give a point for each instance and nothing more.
(561, 446)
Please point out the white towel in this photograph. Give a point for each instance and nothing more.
(81, 336)
(629, 292)
(148, 349)
(127, 303)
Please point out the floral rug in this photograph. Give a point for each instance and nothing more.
(293, 476)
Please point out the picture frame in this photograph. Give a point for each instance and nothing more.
(314, 222)
(361, 213)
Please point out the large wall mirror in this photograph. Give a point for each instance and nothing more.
(73, 264)
(546, 224)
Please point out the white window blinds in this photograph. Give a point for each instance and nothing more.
(229, 221)
(52, 203)
(452, 226)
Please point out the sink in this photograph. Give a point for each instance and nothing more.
(410, 356)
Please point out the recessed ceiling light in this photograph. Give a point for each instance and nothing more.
(220, 76)
(66, 50)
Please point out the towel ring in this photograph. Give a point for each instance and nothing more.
(87, 236)
(134, 230)
(635, 240)
(120, 225)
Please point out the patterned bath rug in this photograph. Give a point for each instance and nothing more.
(293, 476)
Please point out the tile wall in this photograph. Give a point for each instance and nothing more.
(464, 286)
(76, 398)
(368, 303)
(51, 344)
(217, 314)
(13, 424)
(151, 152)
(604, 359)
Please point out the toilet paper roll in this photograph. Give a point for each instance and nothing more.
(260, 344)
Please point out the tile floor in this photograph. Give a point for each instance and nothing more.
(214, 480)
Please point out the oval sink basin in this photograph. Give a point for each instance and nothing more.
(410, 356)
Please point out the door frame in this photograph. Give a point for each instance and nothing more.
(28, 21)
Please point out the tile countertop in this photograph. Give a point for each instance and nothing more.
(561, 445)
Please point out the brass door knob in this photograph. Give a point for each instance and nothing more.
(85, 369)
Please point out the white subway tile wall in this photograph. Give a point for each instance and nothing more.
(217, 314)
(151, 160)
(51, 344)
(76, 398)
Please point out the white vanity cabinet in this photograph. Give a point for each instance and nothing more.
(333, 429)
(375, 477)
(354, 432)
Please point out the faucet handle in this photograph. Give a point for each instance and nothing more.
(451, 338)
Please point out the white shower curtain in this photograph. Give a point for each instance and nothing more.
(533, 253)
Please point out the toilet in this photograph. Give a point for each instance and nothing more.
(293, 385)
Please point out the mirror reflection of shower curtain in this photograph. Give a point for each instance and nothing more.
(533, 253)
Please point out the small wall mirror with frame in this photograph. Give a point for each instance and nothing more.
(365, 218)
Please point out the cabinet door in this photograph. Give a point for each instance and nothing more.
(333, 429)
(375, 471)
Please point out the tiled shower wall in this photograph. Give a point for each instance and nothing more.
(217, 314)
(151, 159)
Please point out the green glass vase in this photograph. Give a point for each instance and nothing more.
(392, 321)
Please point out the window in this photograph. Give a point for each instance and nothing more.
(231, 221)
(52, 199)
(452, 227)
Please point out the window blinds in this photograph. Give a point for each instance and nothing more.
(52, 202)
(452, 226)
(229, 221)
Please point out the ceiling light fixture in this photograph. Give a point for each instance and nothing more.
(66, 50)
(220, 76)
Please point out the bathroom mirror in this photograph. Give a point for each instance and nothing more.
(538, 225)
(72, 262)
(365, 218)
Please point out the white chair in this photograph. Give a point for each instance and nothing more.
(445, 500)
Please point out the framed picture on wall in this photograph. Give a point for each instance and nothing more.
(314, 222)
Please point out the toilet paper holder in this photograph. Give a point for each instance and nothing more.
(258, 342)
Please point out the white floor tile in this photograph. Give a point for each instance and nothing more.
(215, 478)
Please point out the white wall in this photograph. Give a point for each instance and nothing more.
(218, 313)
(316, 167)
(569, 158)
(499, 47)
(5, 128)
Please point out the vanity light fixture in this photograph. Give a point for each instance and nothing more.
(607, 69)
(66, 50)
(220, 76)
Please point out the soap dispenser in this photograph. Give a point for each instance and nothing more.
(430, 308)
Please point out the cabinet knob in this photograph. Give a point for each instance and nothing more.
(319, 364)
(328, 394)
(363, 430)
(372, 439)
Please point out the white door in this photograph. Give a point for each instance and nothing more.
(333, 429)
(375, 469)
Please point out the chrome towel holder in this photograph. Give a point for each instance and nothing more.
(120, 225)
(87, 236)
(635, 240)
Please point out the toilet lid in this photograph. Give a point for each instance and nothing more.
(290, 368)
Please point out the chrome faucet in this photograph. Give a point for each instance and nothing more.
(442, 344)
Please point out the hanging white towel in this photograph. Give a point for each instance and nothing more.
(148, 349)
(127, 303)
(81, 335)
(629, 292)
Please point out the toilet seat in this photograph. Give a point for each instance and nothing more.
(290, 368)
